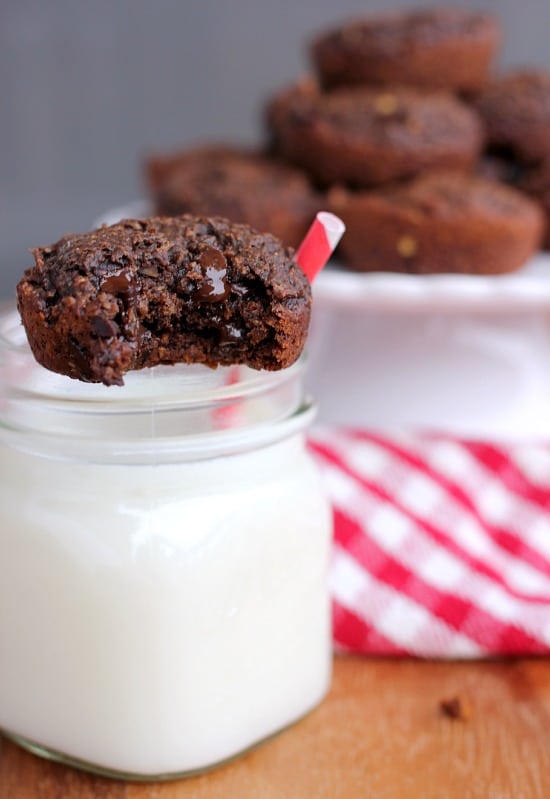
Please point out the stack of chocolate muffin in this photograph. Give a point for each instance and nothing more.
(405, 136)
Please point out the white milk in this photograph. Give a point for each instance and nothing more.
(160, 619)
(163, 563)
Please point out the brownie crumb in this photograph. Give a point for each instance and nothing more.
(455, 709)
(164, 291)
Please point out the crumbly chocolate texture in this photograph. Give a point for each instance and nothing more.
(516, 111)
(432, 48)
(536, 183)
(366, 137)
(243, 186)
(164, 291)
(440, 222)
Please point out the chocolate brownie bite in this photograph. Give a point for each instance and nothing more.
(164, 291)
(243, 186)
(516, 111)
(440, 222)
(429, 48)
(366, 137)
(536, 183)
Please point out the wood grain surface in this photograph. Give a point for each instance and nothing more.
(379, 735)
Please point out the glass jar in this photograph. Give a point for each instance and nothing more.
(163, 563)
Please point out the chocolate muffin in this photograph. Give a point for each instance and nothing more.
(440, 222)
(366, 137)
(242, 186)
(516, 112)
(146, 292)
(432, 48)
(536, 183)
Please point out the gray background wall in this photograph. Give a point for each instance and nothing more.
(88, 87)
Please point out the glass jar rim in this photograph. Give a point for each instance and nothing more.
(210, 412)
(194, 383)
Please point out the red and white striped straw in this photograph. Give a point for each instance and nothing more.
(313, 253)
(319, 243)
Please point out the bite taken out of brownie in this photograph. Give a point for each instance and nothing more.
(163, 291)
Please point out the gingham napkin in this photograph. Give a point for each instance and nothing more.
(442, 546)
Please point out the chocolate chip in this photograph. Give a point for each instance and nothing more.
(214, 286)
(116, 284)
(240, 291)
(104, 328)
(210, 256)
(229, 334)
(120, 283)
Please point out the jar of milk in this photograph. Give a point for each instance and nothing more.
(163, 563)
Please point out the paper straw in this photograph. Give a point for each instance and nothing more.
(319, 243)
(313, 253)
(227, 415)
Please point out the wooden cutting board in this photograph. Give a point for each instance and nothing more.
(381, 734)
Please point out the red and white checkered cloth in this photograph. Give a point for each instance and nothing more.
(442, 546)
